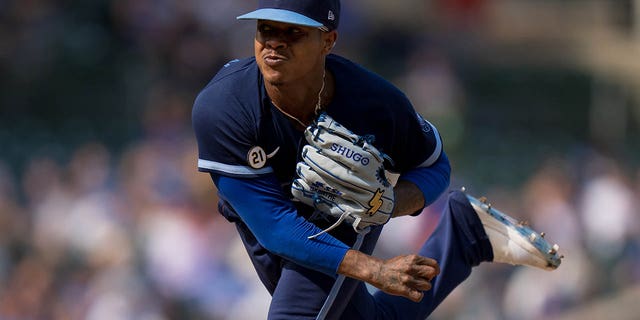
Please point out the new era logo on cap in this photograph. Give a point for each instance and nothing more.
(323, 14)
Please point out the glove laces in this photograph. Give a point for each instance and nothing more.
(333, 226)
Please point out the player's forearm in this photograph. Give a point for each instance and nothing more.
(358, 265)
(409, 198)
(420, 187)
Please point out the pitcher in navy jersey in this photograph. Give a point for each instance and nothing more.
(249, 122)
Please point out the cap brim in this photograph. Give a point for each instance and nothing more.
(280, 15)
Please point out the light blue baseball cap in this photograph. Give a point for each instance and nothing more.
(322, 14)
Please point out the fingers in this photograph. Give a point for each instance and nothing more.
(415, 295)
(420, 282)
(427, 268)
(421, 267)
(416, 289)
(415, 275)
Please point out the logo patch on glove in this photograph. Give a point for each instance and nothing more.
(350, 154)
(375, 202)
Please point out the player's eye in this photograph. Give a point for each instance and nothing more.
(265, 29)
(289, 34)
(294, 34)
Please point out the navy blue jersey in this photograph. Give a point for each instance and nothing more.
(240, 132)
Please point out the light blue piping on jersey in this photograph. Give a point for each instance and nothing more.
(231, 169)
(438, 150)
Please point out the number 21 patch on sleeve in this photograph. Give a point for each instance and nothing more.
(257, 157)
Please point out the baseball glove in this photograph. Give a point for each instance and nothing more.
(342, 175)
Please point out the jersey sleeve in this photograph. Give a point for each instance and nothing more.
(415, 142)
(274, 221)
(226, 132)
(431, 138)
(420, 151)
(373, 105)
(421, 144)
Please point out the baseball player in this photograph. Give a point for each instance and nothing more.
(302, 145)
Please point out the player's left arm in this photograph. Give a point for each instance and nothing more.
(420, 187)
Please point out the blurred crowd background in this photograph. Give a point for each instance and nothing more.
(103, 214)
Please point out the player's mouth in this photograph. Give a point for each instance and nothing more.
(274, 60)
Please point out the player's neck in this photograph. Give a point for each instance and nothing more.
(301, 101)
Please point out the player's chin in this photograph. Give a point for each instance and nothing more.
(274, 77)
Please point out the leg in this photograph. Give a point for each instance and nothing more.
(301, 292)
(469, 232)
(458, 243)
(266, 264)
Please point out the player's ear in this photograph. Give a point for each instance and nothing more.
(330, 39)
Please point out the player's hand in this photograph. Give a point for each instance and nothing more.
(406, 276)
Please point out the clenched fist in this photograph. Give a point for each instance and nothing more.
(407, 276)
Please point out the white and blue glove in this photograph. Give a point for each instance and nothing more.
(342, 175)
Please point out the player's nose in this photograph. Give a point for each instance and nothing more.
(275, 43)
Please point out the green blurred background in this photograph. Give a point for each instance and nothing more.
(104, 216)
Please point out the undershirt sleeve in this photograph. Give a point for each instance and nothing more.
(274, 221)
(432, 180)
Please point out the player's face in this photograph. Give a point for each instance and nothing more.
(288, 53)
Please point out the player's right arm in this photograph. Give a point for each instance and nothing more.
(273, 219)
